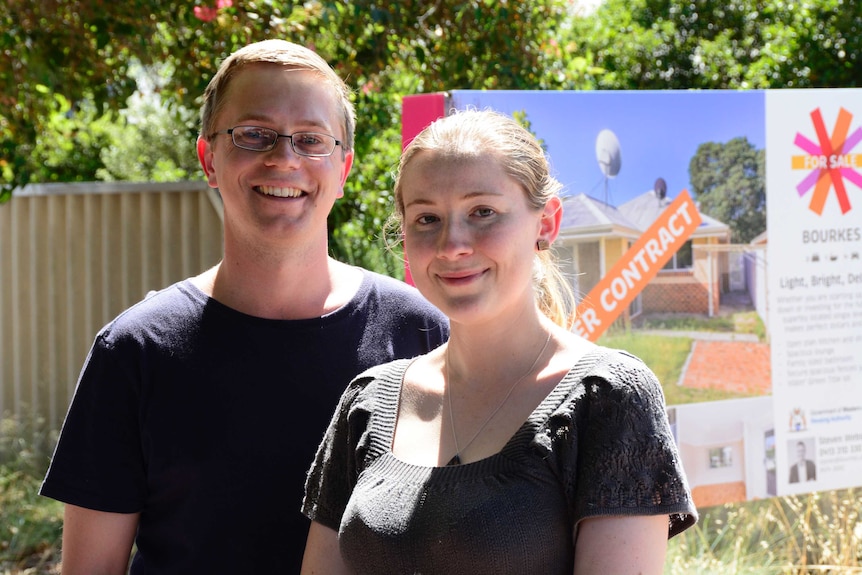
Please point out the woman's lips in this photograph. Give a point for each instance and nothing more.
(460, 278)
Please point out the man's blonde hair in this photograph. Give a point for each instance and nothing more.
(282, 53)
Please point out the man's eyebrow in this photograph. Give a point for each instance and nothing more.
(253, 117)
(266, 119)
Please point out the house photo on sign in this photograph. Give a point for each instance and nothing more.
(735, 275)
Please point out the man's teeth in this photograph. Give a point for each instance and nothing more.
(280, 192)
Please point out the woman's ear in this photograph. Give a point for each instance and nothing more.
(552, 217)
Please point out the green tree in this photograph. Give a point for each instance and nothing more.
(68, 146)
(674, 44)
(75, 49)
(150, 142)
(728, 182)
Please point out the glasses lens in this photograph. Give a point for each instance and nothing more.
(253, 138)
(312, 144)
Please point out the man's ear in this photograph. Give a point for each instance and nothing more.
(348, 163)
(205, 157)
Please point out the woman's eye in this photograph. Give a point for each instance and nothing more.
(484, 212)
(424, 220)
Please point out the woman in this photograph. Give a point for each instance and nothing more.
(518, 447)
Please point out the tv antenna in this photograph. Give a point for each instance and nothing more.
(608, 156)
(660, 189)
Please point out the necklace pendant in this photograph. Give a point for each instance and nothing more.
(454, 461)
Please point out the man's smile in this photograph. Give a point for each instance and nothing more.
(279, 192)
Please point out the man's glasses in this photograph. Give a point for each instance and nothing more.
(259, 139)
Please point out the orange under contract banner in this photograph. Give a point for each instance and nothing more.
(636, 268)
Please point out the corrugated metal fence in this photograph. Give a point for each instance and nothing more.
(72, 256)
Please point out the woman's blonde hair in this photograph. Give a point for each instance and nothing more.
(474, 133)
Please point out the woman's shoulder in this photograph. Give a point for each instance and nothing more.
(604, 377)
(388, 372)
(376, 383)
(619, 368)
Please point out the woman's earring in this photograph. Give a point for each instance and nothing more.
(542, 245)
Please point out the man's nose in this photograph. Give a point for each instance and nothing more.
(283, 152)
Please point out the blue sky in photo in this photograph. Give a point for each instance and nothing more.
(658, 132)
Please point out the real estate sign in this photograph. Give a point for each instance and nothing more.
(814, 213)
(664, 201)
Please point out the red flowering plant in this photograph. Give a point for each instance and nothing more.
(208, 13)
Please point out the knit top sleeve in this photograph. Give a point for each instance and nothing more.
(613, 446)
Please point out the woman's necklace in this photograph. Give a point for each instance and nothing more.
(456, 460)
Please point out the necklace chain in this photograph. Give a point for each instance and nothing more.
(456, 460)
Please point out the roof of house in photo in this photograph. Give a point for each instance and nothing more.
(587, 217)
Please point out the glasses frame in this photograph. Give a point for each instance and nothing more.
(230, 132)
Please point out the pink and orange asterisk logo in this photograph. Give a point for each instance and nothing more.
(830, 161)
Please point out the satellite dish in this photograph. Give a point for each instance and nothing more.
(660, 188)
(608, 153)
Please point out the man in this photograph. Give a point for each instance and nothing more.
(804, 469)
(199, 409)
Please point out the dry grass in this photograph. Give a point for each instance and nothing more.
(817, 533)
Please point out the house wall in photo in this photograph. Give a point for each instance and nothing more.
(588, 258)
(688, 290)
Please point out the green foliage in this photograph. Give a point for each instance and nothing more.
(80, 50)
(671, 44)
(26, 444)
(69, 145)
(151, 142)
(357, 219)
(442, 45)
(729, 183)
(144, 142)
(30, 525)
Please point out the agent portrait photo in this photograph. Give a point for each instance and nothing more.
(802, 469)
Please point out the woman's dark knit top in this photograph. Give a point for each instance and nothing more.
(598, 445)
